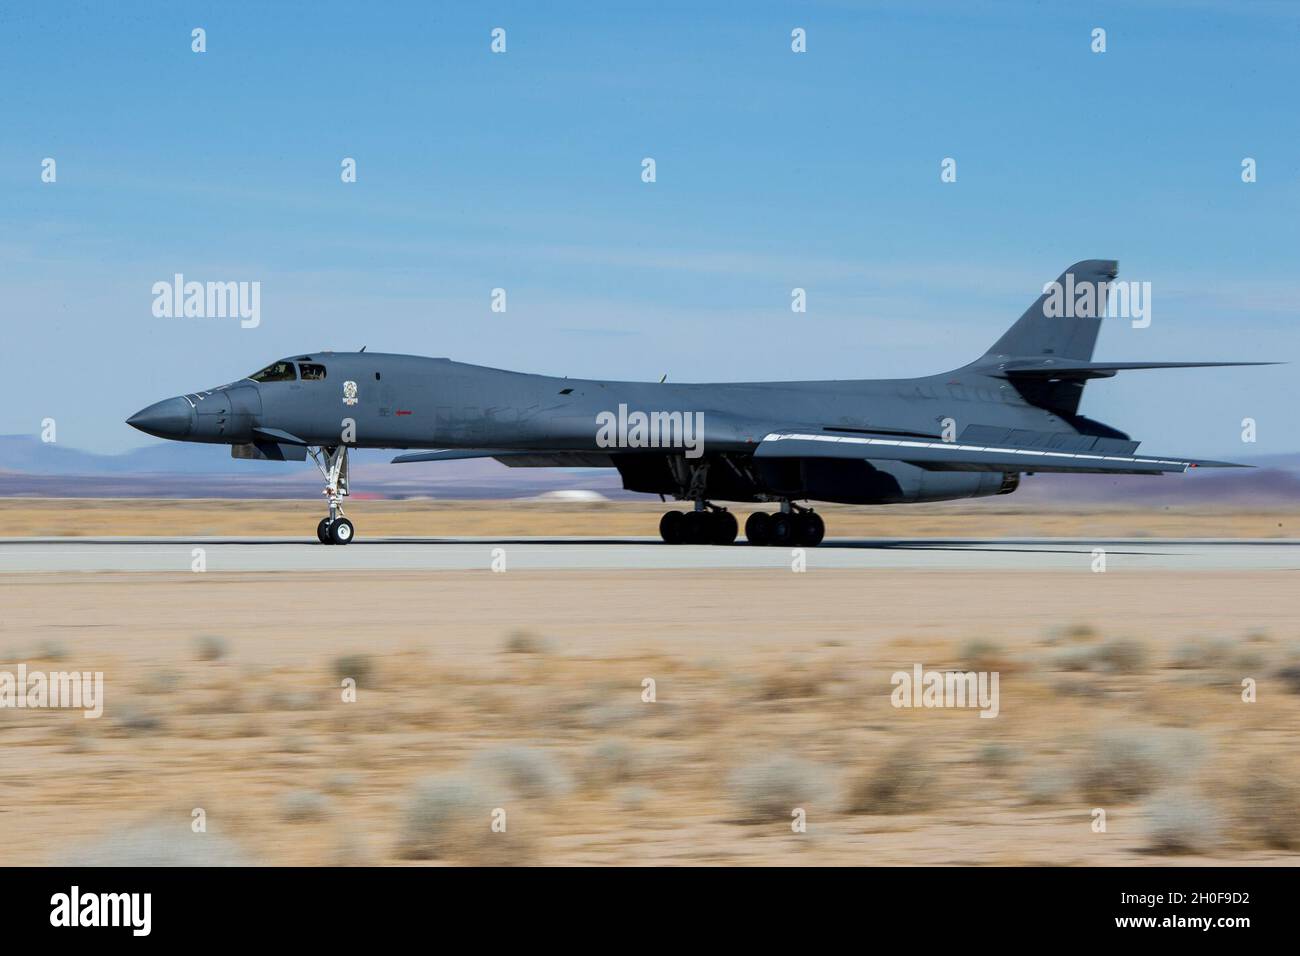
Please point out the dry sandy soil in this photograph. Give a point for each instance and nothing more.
(523, 692)
(21, 517)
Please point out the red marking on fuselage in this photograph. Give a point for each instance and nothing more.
(403, 411)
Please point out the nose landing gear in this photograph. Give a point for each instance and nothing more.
(333, 465)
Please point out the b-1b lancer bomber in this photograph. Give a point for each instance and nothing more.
(967, 433)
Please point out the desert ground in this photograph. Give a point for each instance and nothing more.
(79, 517)
(522, 698)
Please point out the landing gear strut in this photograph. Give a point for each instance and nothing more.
(333, 465)
(707, 524)
(792, 526)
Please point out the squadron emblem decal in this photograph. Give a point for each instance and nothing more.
(349, 393)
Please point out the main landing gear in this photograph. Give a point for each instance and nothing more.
(790, 527)
(333, 465)
(708, 524)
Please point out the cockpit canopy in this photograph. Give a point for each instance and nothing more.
(284, 372)
(275, 372)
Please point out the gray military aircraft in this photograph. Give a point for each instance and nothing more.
(966, 433)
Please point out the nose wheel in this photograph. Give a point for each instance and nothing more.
(333, 465)
(334, 530)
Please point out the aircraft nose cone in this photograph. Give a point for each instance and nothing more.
(170, 418)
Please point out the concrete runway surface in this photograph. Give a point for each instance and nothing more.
(18, 555)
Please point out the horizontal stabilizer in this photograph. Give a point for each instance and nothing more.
(1067, 368)
(959, 456)
(1034, 440)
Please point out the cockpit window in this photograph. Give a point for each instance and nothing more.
(275, 372)
(311, 372)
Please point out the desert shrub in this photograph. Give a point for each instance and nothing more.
(1245, 661)
(349, 849)
(789, 683)
(160, 682)
(632, 799)
(130, 720)
(527, 771)
(997, 757)
(607, 764)
(1127, 764)
(1044, 785)
(615, 714)
(1119, 766)
(77, 738)
(981, 655)
(341, 782)
(443, 815)
(770, 788)
(903, 781)
(211, 647)
(1200, 652)
(1072, 633)
(449, 817)
(1077, 687)
(1075, 659)
(1179, 821)
(524, 642)
(302, 806)
(1268, 809)
(51, 651)
(1290, 677)
(158, 844)
(280, 699)
(357, 666)
(1121, 655)
(249, 726)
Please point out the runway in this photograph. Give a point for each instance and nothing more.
(217, 554)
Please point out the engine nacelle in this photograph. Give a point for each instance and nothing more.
(860, 482)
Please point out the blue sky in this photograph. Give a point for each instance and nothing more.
(522, 171)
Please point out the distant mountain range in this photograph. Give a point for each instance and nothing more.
(30, 467)
(1273, 482)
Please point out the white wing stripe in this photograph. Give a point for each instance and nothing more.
(978, 449)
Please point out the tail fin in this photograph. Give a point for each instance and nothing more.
(1065, 320)
(1047, 354)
